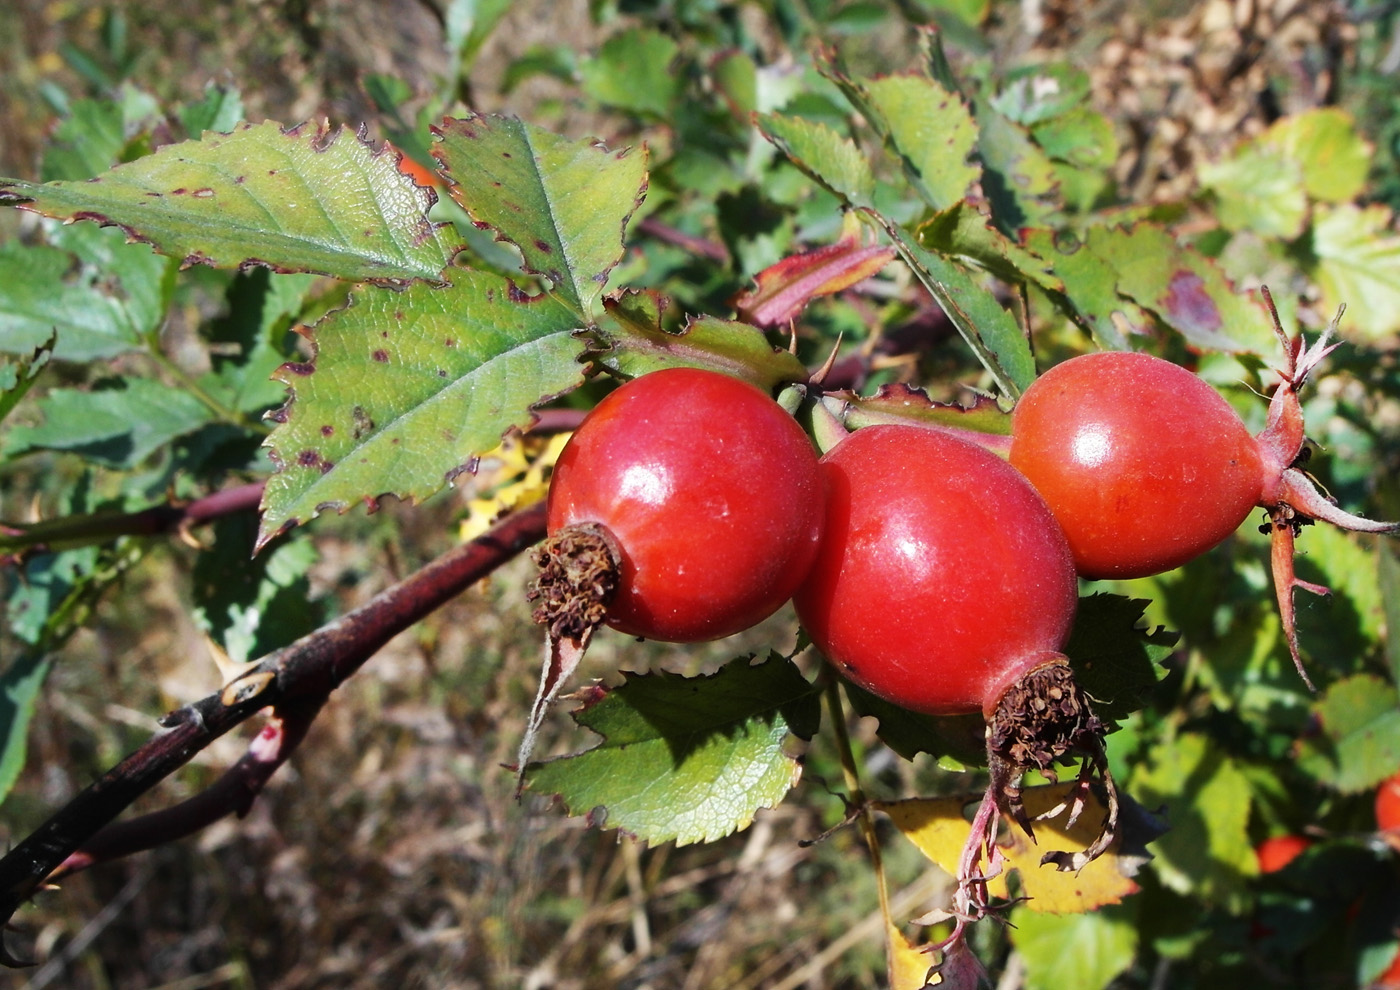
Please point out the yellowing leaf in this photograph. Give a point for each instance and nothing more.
(1334, 158)
(909, 966)
(938, 829)
(516, 474)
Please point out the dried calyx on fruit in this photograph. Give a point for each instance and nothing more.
(1146, 466)
(687, 506)
(944, 585)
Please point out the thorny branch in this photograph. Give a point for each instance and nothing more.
(294, 681)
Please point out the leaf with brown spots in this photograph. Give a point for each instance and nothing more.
(565, 204)
(408, 387)
(307, 199)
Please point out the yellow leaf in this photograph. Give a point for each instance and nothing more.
(908, 966)
(516, 474)
(939, 830)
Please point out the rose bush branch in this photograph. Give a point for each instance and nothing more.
(301, 674)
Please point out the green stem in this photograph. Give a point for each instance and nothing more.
(225, 413)
(858, 799)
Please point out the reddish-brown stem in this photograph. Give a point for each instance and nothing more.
(303, 673)
(232, 794)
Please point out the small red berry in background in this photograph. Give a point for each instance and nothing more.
(1388, 805)
(1275, 853)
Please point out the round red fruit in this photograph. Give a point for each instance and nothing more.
(1275, 853)
(1144, 464)
(1388, 805)
(708, 494)
(942, 577)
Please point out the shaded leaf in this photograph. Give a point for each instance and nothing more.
(305, 199)
(100, 294)
(1017, 176)
(117, 424)
(1359, 745)
(19, 688)
(1390, 597)
(785, 288)
(963, 737)
(634, 71)
(565, 204)
(407, 387)
(636, 343)
(1358, 263)
(1115, 656)
(220, 109)
(939, 830)
(686, 758)
(830, 159)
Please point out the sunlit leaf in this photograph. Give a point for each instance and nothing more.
(686, 758)
(825, 155)
(1334, 158)
(1258, 188)
(1358, 263)
(305, 200)
(407, 387)
(565, 204)
(784, 289)
(1359, 745)
(1084, 951)
(940, 830)
(634, 71)
(931, 131)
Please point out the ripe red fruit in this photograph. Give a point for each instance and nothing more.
(1275, 853)
(704, 496)
(942, 578)
(1145, 466)
(1388, 805)
(944, 585)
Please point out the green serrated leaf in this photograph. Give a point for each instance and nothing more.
(1184, 288)
(17, 375)
(1259, 189)
(117, 424)
(1039, 93)
(1360, 741)
(1084, 951)
(634, 71)
(100, 294)
(899, 403)
(1334, 158)
(1116, 659)
(830, 159)
(408, 386)
(932, 132)
(252, 339)
(220, 109)
(991, 332)
(1081, 137)
(687, 758)
(1090, 289)
(1017, 176)
(19, 688)
(1358, 263)
(1207, 854)
(636, 343)
(963, 232)
(565, 204)
(302, 200)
